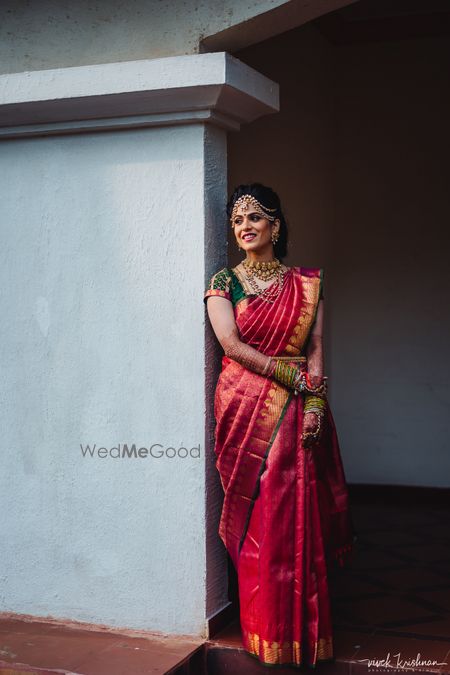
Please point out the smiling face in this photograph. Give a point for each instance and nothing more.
(253, 232)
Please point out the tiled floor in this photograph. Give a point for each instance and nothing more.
(394, 600)
(397, 590)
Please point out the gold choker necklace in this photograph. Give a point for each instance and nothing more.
(264, 270)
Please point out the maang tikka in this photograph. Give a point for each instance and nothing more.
(247, 201)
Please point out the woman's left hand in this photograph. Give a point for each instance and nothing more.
(310, 425)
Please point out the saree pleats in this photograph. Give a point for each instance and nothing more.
(282, 576)
(285, 514)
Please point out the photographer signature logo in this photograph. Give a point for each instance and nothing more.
(399, 664)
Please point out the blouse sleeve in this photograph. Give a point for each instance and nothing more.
(219, 285)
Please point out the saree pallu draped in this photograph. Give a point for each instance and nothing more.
(285, 515)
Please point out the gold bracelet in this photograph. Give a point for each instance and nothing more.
(267, 366)
(314, 435)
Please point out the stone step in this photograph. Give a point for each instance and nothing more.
(50, 648)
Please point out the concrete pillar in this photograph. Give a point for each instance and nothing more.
(112, 199)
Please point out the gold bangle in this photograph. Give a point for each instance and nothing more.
(267, 366)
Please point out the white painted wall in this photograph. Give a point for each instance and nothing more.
(358, 154)
(64, 33)
(102, 279)
(109, 241)
(58, 34)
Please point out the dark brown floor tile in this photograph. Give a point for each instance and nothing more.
(445, 670)
(93, 651)
(411, 577)
(226, 661)
(134, 656)
(393, 538)
(371, 514)
(439, 628)
(45, 651)
(369, 559)
(25, 627)
(384, 610)
(347, 643)
(352, 586)
(361, 669)
(440, 597)
(435, 533)
(427, 553)
(413, 522)
(442, 568)
(337, 668)
(194, 665)
(229, 637)
(23, 669)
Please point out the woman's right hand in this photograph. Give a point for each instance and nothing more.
(221, 315)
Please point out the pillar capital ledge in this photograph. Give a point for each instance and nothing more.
(213, 88)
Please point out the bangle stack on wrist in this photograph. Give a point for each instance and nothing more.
(296, 378)
(315, 404)
(285, 373)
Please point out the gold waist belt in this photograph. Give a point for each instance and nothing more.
(290, 358)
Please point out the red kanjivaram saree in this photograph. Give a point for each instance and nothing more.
(285, 514)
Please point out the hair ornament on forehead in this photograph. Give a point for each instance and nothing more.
(247, 201)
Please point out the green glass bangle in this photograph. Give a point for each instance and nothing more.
(285, 373)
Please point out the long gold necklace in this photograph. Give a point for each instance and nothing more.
(270, 293)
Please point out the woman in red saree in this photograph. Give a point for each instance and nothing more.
(285, 515)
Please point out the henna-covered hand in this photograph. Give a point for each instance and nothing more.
(221, 315)
(310, 426)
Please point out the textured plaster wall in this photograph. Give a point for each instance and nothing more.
(102, 279)
(358, 156)
(56, 34)
(215, 187)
